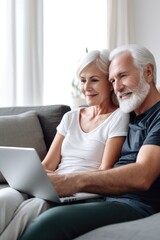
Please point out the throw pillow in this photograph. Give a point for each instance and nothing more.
(22, 130)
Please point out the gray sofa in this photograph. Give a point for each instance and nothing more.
(32, 127)
(36, 127)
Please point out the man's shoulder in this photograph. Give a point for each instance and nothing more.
(148, 116)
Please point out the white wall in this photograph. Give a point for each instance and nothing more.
(146, 18)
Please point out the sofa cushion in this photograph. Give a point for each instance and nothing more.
(143, 229)
(22, 130)
(49, 117)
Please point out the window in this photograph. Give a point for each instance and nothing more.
(69, 27)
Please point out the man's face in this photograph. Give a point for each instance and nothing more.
(128, 82)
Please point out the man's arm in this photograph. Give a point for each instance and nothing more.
(132, 177)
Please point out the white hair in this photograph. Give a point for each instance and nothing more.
(101, 58)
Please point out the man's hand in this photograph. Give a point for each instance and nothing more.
(65, 185)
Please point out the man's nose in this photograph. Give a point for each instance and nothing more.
(118, 86)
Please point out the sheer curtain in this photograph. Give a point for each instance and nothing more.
(120, 28)
(68, 28)
(21, 47)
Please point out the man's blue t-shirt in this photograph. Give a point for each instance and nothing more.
(143, 130)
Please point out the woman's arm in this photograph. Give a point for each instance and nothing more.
(112, 152)
(53, 156)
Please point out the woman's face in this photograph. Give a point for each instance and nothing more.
(95, 85)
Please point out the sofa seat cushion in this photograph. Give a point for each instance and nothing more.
(143, 229)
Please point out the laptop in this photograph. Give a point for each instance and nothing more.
(22, 169)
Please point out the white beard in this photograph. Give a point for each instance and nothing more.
(136, 99)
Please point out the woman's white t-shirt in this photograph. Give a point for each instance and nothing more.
(83, 151)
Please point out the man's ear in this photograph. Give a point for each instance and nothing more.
(148, 73)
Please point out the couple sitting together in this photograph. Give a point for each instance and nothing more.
(111, 147)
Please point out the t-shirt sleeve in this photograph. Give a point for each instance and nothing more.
(153, 136)
(63, 125)
(119, 125)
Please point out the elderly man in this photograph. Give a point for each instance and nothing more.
(130, 190)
